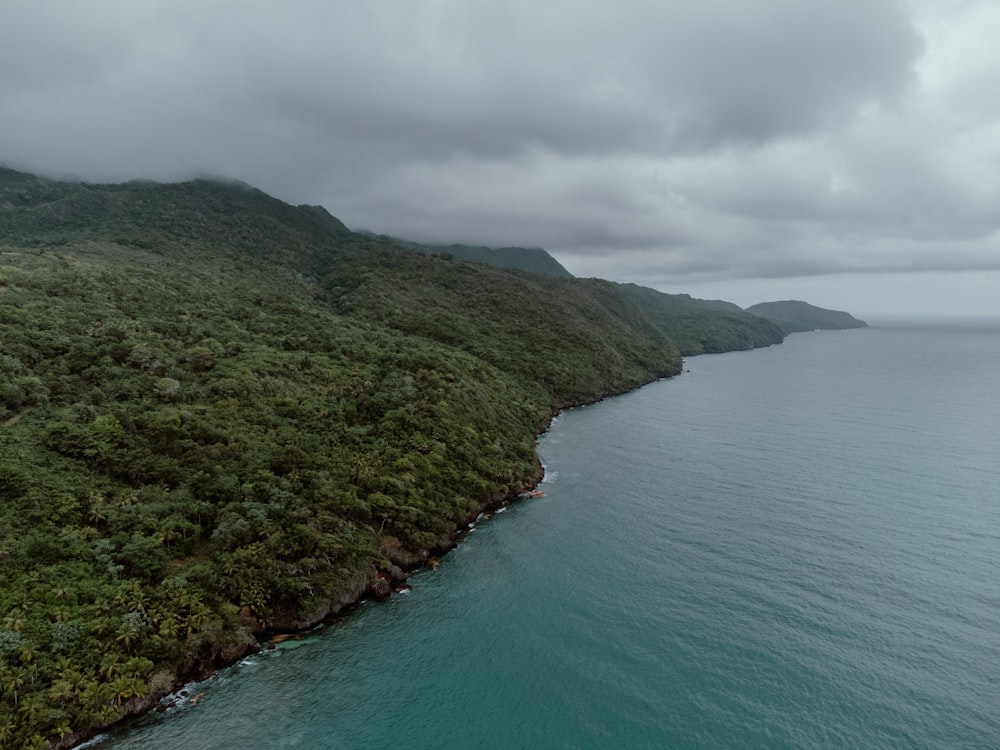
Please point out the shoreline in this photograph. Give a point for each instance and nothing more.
(379, 584)
(371, 583)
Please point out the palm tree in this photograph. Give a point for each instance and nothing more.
(28, 654)
(62, 728)
(94, 698)
(98, 510)
(64, 665)
(125, 688)
(197, 620)
(14, 620)
(32, 705)
(62, 691)
(119, 690)
(78, 681)
(126, 637)
(13, 680)
(167, 626)
(111, 666)
(7, 727)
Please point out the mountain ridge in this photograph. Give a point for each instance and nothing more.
(795, 316)
(533, 259)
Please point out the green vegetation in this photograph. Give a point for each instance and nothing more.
(702, 327)
(222, 415)
(533, 259)
(794, 316)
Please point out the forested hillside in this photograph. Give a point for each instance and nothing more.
(795, 316)
(221, 415)
(533, 259)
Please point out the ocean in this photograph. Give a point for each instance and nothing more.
(792, 547)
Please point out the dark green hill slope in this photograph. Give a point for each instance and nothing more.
(703, 327)
(220, 415)
(533, 259)
(575, 339)
(795, 316)
(229, 215)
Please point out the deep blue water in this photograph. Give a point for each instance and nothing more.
(795, 547)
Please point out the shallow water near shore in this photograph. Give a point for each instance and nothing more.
(791, 547)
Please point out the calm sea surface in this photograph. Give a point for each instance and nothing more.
(795, 547)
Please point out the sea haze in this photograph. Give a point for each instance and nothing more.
(792, 547)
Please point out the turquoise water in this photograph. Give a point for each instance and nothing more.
(792, 547)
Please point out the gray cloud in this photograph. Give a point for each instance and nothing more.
(638, 140)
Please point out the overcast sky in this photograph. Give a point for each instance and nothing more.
(846, 152)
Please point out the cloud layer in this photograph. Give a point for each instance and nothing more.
(637, 140)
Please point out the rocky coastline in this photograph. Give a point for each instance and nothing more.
(374, 582)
